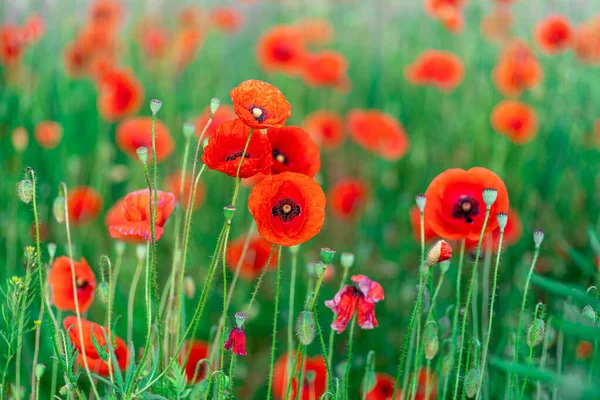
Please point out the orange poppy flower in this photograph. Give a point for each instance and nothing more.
(517, 69)
(313, 366)
(554, 34)
(226, 146)
(116, 215)
(76, 59)
(120, 94)
(224, 113)
(61, 284)
(260, 105)
(379, 133)
(33, 28)
(584, 350)
(347, 197)
(136, 132)
(173, 185)
(281, 49)
(317, 31)
(433, 7)
(383, 389)
(452, 19)
(105, 12)
(415, 223)
(512, 233)
(98, 38)
(326, 128)
(48, 134)
(326, 68)
(227, 19)
(84, 205)
(294, 151)
(133, 217)
(198, 352)
(515, 120)
(185, 47)
(11, 44)
(256, 258)
(455, 207)
(587, 41)
(100, 65)
(438, 68)
(496, 26)
(288, 208)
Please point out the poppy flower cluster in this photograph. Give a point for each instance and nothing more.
(313, 384)
(517, 69)
(15, 39)
(448, 12)
(438, 68)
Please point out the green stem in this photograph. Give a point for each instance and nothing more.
(290, 327)
(274, 341)
(332, 332)
(131, 299)
(349, 359)
(237, 174)
(300, 378)
(260, 279)
(224, 315)
(231, 374)
(292, 372)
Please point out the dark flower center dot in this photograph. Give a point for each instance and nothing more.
(259, 113)
(466, 207)
(286, 210)
(279, 156)
(236, 155)
(356, 291)
(81, 283)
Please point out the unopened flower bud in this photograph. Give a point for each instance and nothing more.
(188, 130)
(25, 191)
(347, 260)
(536, 331)
(441, 251)
(214, 105)
(589, 313)
(142, 153)
(327, 255)
(20, 139)
(155, 106)
(420, 199)
(65, 390)
(51, 250)
(489, 196)
(140, 252)
(305, 327)
(228, 211)
(240, 319)
(538, 237)
(432, 341)
(189, 287)
(502, 220)
(58, 209)
(472, 382)
(103, 292)
(39, 370)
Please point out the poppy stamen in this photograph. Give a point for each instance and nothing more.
(466, 207)
(279, 156)
(258, 113)
(81, 283)
(286, 210)
(236, 155)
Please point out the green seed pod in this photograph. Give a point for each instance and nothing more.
(25, 191)
(489, 196)
(472, 383)
(327, 255)
(305, 327)
(347, 260)
(103, 292)
(228, 212)
(432, 341)
(58, 209)
(188, 130)
(155, 106)
(65, 390)
(39, 370)
(214, 105)
(142, 153)
(536, 331)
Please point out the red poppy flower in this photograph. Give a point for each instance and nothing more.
(48, 134)
(256, 258)
(198, 352)
(116, 215)
(185, 47)
(260, 105)
(236, 341)
(326, 128)
(512, 232)
(288, 208)
(517, 69)
(347, 197)
(105, 12)
(584, 350)
(173, 184)
(455, 207)
(227, 19)
(515, 120)
(33, 28)
(433, 7)
(496, 26)
(415, 222)
(281, 49)
(327, 68)
(317, 31)
(587, 41)
(84, 204)
(314, 382)
(383, 389)
(438, 68)
(226, 146)
(359, 298)
(98, 38)
(12, 46)
(136, 132)
(452, 19)
(134, 216)
(76, 59)
(379, 133)
(61, 284)
(94, 361)
(223, 113)
(120, 94)
(294, 151)
(553, 34)
(153, 38)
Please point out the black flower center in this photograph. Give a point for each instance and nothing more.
(236, 155)
(81, 283)
(259, 113)
(279, 156)
(466, 207)
(286, 210)
(356, 291)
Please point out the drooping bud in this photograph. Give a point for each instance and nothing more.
(236, 341)
(347, 260)
(155, 106)
(66, 389)
(214, 105)
(502, 220)
(305, 327)
(327, 255)
(189, 287)
(140, 252)
(25, 191)
(489, 196)
(536, 331)
(538, 237)
(51, 250)
(103, 292)
(589, 313)
(188, 130)
(58, 209)
(240, 319)
(432, 341)
(472, 382)
(441, 251)
(142, 153)
(39, 370)
(420, 199)
(228, 212)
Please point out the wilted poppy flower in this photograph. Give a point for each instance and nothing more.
(347, 197)
(438, 68)
(433, 7)
(326, 128)
(515, 120)
(198, 350)
(236, 341)
(379, 133)
(12, 46)
(173, 185)
(360, 298)
(84, 204)
(288, 208)
(48, 134)
(224, 113)
(415, 222)
(496, 26)
(185, 47)
(587, 41)
(134, 216)
(226, 147)
(61, 284)
(136, 132)
(517, 69)
(281, 49)
(326, 68)
(33, 28)
(260, 105)
(294, 151)
(227, 19)
(105, 12)
(94, 360)
(512, 232)
(256, 258)
(313, 385)
(383, 389)
(120, 94)
(316, 31)
(455, 206)
(553, 34)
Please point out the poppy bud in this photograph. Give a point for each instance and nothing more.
(155, 106)
(188, 130)
(489, 196)
(189, 287)
(103, 292)
(214, 105)
(228, 211)
(472, 382)
(140, 252)
(502, 220)
(589, 313)
(65, 390)
(538, 237)
(236, 341)
(240, 319)
(51, 251)
(39, 370)
(20, 139)
(142, 154)
(305, 327)
(440, 251)
(347, 260)
(420, 199)
(58, 209)
(327, 255)
(25, 191)
(432, 341)
(535, 334)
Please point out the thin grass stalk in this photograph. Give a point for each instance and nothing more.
(36, 353)
(224, 314)
(131, 297)
(20, 332)
(332, 332)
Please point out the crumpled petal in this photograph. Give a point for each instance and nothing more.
(366, 314)
(236, 341)
(372, 291)
(343, 305)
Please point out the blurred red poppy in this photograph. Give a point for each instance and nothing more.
(326, 68)
(517, 69)
(48, 134)
(584, 350)
(348, 197)
(94, 360)
(60, 281)
(227, 19)
(415, 223)
(554, 34)
(317, 31)
(12, 46)
(314, 367)
(256, 258)
(379, 133)
(185, 47)
(383, 389)
(224, 113)
(438, 68)
(288, 208)
(326, 128)
(136, 132)
(33, 29)
(190, 17)
(425, 379)
(281, 49)
(227, 145)
(84, 205)
(260, 105)
(236, 342)
(294, 150)
(105, 12)
(452, 19)
(120, 95)
(153, 38)
(512, 233)
(587, 41)
(194, 371)
(515, 120)
(433, 7)
(76, 59)
(496, 26)
(173, 184)
(98, 38)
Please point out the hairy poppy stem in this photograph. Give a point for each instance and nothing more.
(109, 309)
(36, 353)
(274, 341)
(290, 327)
(224, 315)
(349, 359)
(300, 378)
(260, 279)
(290, 376)
(232, 373)
(58, 356)
(332, 332)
